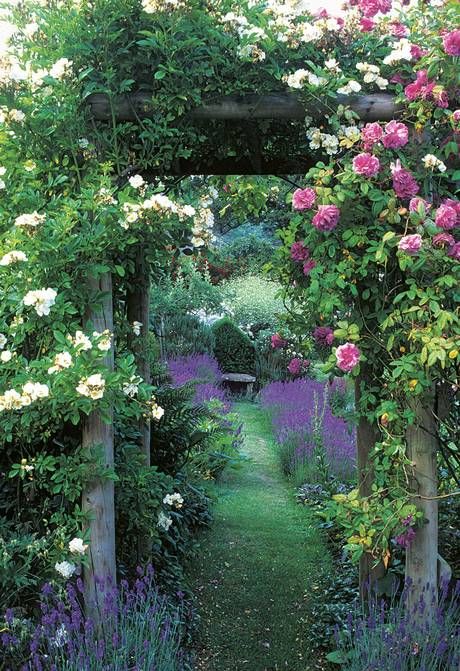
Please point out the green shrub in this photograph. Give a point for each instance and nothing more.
(253, 301)
(233, 349)
(185, 334)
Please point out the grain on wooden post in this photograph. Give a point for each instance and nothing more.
(98, 494)
(422, 555)
(138, 310)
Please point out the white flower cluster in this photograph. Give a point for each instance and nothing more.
(175, 500)
(251, 52)
(65, 568)
(41, 299)
(299, 78)
(136, 181)
(349, 88)
(131, 388)
(104, 340)
(326, 141)
(349, 135)
(6, 356)
(92, 386)
(202, 231)
(11, 115)
(31, 391)
(372, 75)
(76, 546)
(3, 340)
(164, 521)
(61, 68)
(105, 197)
(61, 361)
(136, 328)
(332, 65)
(12, 257)
(2, 173)
(156, 411)
(29, 221)
(80, 341)
(432, 162)
(159, 203)
(153, 6)
(401, 52)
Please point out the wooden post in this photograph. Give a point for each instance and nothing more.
(98, 494)
(367, 434)
(138, 310)
(422, 444)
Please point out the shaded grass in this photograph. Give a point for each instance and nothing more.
(257, 564)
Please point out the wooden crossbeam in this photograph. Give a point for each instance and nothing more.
(283, 105)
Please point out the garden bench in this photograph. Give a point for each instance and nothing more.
(239, 382)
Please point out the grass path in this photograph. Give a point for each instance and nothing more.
(255, 566)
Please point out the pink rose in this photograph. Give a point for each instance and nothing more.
(454, 251)
(370, 8)
(366, 25)
(365, 164)
(440, 97)
(398, 29)
(323, 335)
(443, 240)
(421, 88)
(451, 43)
(404, 184)
(326, 218)
(371, 134)
(416, 52)
(446, 217)
(297, 366)
(277, 341)
(455, 204)
(396, 135)
(308, 266)
(299, 252)
(456, 116)
(415, 204)
(303, 199)
(347, 356)
(410, 244)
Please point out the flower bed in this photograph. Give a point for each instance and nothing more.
(313, 442)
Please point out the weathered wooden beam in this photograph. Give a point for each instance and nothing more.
(283, 105)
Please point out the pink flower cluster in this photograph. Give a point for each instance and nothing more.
(370, 8)
(303, 199)
(297, 366)
(416, 203)
(347, 356)
(323, 335)
(448, 214)
(277, 341)
(301, 254)
(410, 244)
(326, 218)
(451, 43)
(365, 164)
(404, 184)
(394, 136)
(426, 89)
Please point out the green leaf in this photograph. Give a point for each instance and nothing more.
(337, 657)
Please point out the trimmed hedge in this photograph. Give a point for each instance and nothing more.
(233, 349)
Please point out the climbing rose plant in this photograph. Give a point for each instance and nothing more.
(371, 248)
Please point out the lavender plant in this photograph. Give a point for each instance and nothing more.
(393, 637)
(313, 442)
(141, 631)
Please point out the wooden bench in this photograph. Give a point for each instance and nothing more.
(239, 383)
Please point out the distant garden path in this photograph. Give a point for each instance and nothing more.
(255, 573)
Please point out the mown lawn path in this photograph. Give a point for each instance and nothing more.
(256, 566)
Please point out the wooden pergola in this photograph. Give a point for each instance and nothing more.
(244, 109)
(282, 106)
